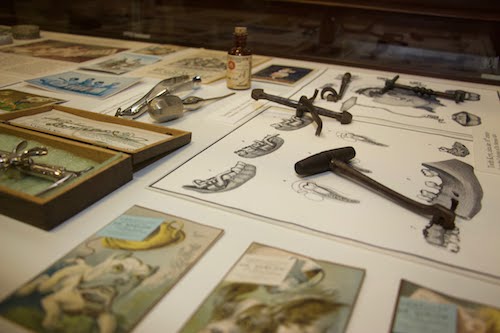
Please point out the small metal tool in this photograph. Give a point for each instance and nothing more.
(169, 107)
(333, 96)
(161, 89)
(456, 95)
(343, 117)
(21, 159)
(192, 103)
(336, 160)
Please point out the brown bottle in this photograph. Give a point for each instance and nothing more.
(239, 61)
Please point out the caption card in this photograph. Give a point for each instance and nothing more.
(415, 316)
(260, 269)
(129, 227)
(487, 149)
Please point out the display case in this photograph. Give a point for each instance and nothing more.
(451, 39)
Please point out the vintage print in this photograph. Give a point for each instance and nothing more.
(272, 290)
(435, 167)
(123, 63)
(100, 133)
(65, 51)
(109, 282)
(209, 64)
(420, 309)
(14, 100)
(288, 75)
(160, 49)
(96, 86)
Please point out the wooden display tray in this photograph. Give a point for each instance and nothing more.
(56, 206)
(141, 157)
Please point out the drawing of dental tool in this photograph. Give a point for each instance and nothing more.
(21, 159)
(169, 107)
(343, 117)
(336, 160)
(163, 88)
(456, 95)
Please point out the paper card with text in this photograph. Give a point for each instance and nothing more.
(131, 227)
(273, 290)
(487, 149)
(420, 309)
(415, 316)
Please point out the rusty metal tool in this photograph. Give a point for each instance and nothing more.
(343, 117)
(456, 95)
(333, 96)
(336, 160)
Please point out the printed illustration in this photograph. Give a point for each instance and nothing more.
(458, 149)
(401, 97)
(59, 50)
(123, 63)
(210, 65)
(271, 290)
(353, 101)
(466, 119)
(420, 309)
(293, 123)
(105, 134)
(225, 181)
(109, 282)
(160, 50)
(84, 84)
(315, 192)
(393, 153)
(269, 144)
(352, 137)
(282, 74)
(14, 100)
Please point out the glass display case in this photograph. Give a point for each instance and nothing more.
(451, 39)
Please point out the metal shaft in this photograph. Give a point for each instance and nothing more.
(440, 215)
(343, 117)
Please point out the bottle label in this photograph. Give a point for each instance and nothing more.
(239, 71)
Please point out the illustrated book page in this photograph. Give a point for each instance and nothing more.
(272, 290)
(421, 147)
(110, 281)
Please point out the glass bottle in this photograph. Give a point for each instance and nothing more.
(239, 61)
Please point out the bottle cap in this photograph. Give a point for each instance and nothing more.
(240, 30)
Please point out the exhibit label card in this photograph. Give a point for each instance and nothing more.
(107, 284)
(415, 316)
(253, 268)
(131, 227)
(487, 149)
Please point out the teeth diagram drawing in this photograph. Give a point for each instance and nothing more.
(436, 235)
(293, 123)
(458, 149)
(458, 182)
(269, 144)
(225, 181)
(315, 192)
(466, 119)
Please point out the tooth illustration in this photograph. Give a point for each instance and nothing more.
(436, 235)
(225, 181)
(261, 147)
(293, 123)
(429, 173)
(458, 182)
(433, 185)
(315, 192)
(458, 149)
